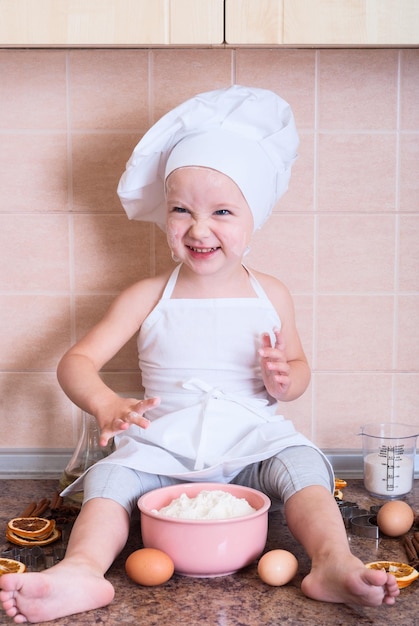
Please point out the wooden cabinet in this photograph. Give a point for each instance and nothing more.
(351, 22)
(322, 22)
(111, 22)
(254, 22)
(142, 23)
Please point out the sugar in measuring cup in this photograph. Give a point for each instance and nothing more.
(389, 458)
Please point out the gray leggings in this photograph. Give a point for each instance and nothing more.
(279, 478)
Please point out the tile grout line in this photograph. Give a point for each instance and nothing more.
(71, 235)
(315, 245)
(396, 245)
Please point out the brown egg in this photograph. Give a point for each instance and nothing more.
(149, 567)
(395, 518)
(277, 567)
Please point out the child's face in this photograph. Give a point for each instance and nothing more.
(208, 219)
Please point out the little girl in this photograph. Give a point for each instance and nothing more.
(218, 349)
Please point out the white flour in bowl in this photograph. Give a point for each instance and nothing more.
(215, 504)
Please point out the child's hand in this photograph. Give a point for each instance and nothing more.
(274, 365)
(130, 414)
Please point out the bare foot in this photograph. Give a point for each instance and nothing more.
(350, 582)
(44, 596)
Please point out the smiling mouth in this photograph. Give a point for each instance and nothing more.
(202, 250)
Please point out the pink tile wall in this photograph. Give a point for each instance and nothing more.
(345, 238)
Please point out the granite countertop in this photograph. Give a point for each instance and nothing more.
(240, 599)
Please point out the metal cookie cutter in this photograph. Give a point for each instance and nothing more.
(349, 510)
(365, 526)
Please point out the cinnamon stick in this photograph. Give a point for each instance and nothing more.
(27, 512)
(410, 549)
(57, 501)
(415, 542)
(41, 507)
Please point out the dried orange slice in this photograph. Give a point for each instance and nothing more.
(403, 573)
(31, 527)
(9, 566)
(340, 483)
(21, 541)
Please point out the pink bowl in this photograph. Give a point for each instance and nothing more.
(205, 548)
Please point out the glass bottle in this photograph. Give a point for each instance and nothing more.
(87, 452)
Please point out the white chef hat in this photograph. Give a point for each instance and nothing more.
(246, 133)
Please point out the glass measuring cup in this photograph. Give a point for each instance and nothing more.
(389, 459)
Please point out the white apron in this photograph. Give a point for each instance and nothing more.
(215, 417)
